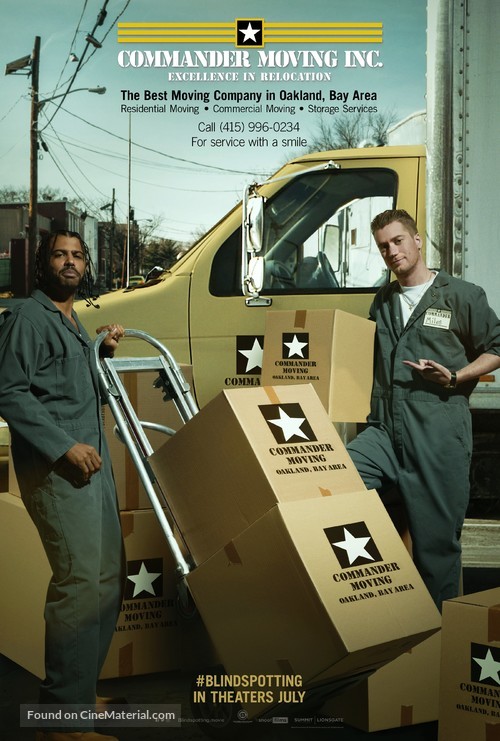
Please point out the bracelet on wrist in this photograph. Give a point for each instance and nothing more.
(452, 383)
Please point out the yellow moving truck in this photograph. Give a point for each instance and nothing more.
(300, 241)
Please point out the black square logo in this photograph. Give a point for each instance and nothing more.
(295, 345)
(249, 32)
(287, 422)
(353, 544)
(144, 579)
(485, 664)
(249, 350)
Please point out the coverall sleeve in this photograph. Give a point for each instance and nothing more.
(484, 326)
(23, 356)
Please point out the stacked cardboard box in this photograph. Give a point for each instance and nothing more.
(147, 636)
(331, 349)
(469, 705)
(247, 450)
(334, 351)
(403, 692)
(300, 570)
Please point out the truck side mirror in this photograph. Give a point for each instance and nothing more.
(255, 275)
(254, 223)
(252, 265)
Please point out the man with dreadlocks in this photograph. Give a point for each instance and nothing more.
(50, 399)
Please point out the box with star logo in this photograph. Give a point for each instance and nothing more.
(148, 636)
(322, 589)
(331, 349)
(147, 633)
(245, 451)
(469, 706)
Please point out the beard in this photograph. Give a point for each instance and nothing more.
(60, 286)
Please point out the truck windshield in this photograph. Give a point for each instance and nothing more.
(317, 236)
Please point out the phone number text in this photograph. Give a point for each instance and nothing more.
(252, 127)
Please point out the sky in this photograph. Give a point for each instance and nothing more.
(165, 164)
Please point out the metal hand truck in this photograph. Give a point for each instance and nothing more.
(131, 430)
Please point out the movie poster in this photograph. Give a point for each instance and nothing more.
(165, 113)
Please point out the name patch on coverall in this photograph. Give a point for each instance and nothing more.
(439, 318)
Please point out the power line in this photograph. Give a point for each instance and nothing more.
(99, 22)
(164, 154)
(75, 164)
(90, 41)
(21, 97)
(136, 162)
(71, 46)
(71, 185)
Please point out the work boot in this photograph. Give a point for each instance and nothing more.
(72, 736)
(104, 701)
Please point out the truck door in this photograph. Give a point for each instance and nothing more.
(318, 253)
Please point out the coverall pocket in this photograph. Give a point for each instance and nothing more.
(438, 344)
(72, 379)
(44, 512)
(460, 425)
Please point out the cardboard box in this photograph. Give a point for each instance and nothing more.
(320, 589)
(150, 407)
(331, 349)
(147, 634)
(469, 707)
(241, 454)
(404, 692)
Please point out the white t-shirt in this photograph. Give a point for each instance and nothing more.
(409, 297)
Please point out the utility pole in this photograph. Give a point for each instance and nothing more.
(110, 235)
(130, 209)
(32, 64)
(112, 241)
(33, 202)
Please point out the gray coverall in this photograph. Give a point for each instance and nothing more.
(50, 399)
(419, 434)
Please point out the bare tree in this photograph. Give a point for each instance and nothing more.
(380, 123)
(160, 251)
(9, 194)
(351, 130)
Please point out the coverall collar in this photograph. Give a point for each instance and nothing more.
(42, 298)
(428, 299)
